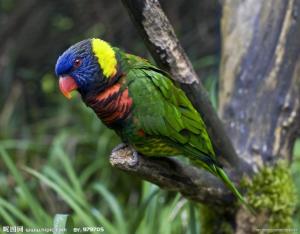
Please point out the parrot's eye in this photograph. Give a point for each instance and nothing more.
(77, 63)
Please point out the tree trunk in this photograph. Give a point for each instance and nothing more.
(260, 80)
(259, 83)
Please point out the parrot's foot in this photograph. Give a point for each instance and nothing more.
(124, 154)
(134, 158)
(119, 147)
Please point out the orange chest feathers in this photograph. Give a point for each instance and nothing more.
(112, 105)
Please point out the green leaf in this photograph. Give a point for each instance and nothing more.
(62, 223)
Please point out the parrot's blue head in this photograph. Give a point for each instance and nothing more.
(86, 67)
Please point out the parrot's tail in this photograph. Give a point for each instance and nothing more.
(213, 166)
(223, 176)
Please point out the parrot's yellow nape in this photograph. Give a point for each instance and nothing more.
(106, 57)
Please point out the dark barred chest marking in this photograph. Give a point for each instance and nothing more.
(112, 105)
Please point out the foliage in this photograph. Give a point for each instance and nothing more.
(272, 192)
(62, 224)
(49, 174)
(295, 168)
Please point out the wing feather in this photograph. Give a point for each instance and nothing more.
(164, 110)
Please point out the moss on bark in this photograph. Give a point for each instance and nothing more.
(272, 192)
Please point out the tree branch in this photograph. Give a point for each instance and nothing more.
(165, 48)
(170, 174)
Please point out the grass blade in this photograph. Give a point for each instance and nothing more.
(57, 178)
(7, 217)
(35, 207)
(69, 171)
(139, 215)
(114, 205)
(109, 227)
(62, 222)
(84, 216)
(17, 213)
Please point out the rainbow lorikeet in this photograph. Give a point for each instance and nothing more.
(140, 102)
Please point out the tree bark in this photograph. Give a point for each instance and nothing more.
(260, 77)
(170, 174)
(260, 80)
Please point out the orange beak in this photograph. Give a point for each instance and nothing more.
(66, 85)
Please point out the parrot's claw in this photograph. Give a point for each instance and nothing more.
(119, 147)
(130, 155)
(134, 158)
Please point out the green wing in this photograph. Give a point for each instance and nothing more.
(163, 110)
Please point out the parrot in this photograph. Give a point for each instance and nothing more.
(140, 102)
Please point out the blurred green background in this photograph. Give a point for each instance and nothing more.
(54, 152)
